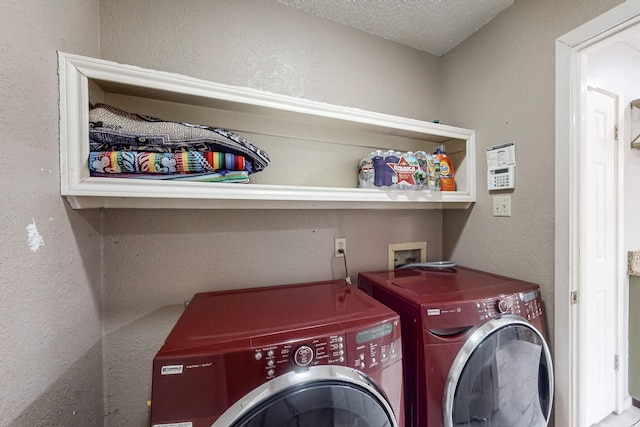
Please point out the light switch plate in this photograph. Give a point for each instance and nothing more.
(501, 205)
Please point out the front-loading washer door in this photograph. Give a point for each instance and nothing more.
(502, 377)
(321, 396)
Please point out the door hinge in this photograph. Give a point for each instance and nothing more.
(616, 362)
(615, 133)
(574, 297)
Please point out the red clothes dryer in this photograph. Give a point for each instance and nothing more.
(474, 346)
(319, 354)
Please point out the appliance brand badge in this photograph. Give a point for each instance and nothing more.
(171, 370)
(433, 312)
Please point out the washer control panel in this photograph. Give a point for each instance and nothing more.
(375, 347)
(280, 358)
(364, 349)
(303, 355)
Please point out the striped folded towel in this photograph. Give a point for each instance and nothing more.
(111, 129)
(187, 162)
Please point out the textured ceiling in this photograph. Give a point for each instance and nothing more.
(434, 26)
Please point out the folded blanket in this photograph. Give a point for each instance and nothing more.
(241, 177)
(112, 129)
(116, 162)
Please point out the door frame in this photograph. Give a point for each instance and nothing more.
(570, 86)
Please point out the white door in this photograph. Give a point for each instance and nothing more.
(598, 231)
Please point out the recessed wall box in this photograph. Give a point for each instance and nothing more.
(405, 253)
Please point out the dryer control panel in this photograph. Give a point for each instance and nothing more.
(493, 307)
(532, 302)
(450, 318)
(524, 304)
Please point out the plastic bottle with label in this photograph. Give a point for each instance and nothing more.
(447, 179)
(406, 181)
(366, 172)
(379, 170)
(433, 178)
(392, 158)
(421, 176)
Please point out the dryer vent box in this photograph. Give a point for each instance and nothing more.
(406, 253)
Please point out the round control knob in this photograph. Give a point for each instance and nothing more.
(502, 306)
(303, 355)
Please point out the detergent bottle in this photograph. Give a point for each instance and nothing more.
(447, 180)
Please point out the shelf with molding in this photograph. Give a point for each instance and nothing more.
(314, 147)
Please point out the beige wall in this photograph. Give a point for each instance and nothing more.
(50, 325)
(264, 45)
(501, 82)
(155, 260)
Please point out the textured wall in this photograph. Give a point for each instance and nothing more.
(501, 82)
(264, 45)
(157, 259)
(50, 275)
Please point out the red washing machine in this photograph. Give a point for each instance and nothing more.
(474, 346)
(320, 354)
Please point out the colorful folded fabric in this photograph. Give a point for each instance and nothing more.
(241, 177)
(112, 129)
(116, 162)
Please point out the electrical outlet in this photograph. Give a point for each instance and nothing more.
(339, 243)
(501, 205)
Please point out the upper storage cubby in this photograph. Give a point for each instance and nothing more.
(314, 148)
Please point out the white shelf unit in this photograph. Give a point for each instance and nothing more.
(314, 147)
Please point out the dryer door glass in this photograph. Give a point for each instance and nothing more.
(320, 404)
(501, 377)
